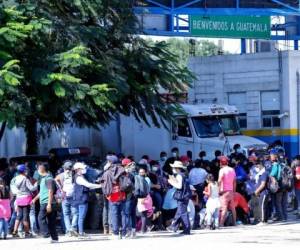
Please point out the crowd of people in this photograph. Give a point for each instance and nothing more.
(173, 193)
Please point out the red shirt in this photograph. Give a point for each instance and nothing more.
(117, 194)
(240, 201)
(297, 182)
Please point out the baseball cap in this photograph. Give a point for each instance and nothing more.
(67, 165)
(126, 161)
(112, 158)
(21, 168)
(184, 158)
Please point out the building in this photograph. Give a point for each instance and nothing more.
(264, 87)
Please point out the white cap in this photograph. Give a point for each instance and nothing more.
(79, 165)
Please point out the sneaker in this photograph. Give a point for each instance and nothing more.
(34, 234)
(128, 234)
(83, 236)
(73, 233)
(53, 241)
(15, 235)
(171, 229)
(21, 235)
(133, 234)
(69, 234)
(28, 235)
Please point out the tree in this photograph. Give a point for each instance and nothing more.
(181, 48)
(80, 62)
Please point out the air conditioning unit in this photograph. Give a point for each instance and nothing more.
(265, 46)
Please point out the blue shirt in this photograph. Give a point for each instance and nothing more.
(240, 172)
(263, 178)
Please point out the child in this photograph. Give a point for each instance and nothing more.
(213, 203)
(5, 211)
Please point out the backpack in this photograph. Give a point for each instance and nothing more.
(273, 185)
(142, 187)
(126, 184)
(185, 193)
(67, 185)
(287, 178)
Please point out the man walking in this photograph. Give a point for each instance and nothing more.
(227, 184)
(111, 188)
(47, 214)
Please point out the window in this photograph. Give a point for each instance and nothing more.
(270, 109)
(239, 100)
(213, 126)
(182, 128)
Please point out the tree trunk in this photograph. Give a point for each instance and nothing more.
(32, 139)
(2, 129)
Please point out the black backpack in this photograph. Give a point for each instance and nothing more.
(126, 184)
(185, 193)
(286, 178)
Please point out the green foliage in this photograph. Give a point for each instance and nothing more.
(181, 48)
(80, 62)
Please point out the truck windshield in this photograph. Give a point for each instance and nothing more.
(213, 126)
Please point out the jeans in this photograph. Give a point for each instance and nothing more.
(33, 221)
(3, 228)
(47, 222)
(281, 204)
(12, 221)
(67, 214)
(297, 193)
(130, 214)
(106, 220)
(117, 213)
(79, 214)
(182, 216)
(157, 200)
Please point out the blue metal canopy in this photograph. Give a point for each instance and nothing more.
(179, 11)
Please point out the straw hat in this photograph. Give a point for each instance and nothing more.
(178, 164)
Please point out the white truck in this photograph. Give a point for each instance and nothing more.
(207, 127)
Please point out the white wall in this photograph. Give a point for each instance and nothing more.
(218, 76)
(14, 142)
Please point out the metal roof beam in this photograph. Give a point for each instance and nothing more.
(218, 11)
(188, 34)
(157, 4)
(285, 5)
(188, 4)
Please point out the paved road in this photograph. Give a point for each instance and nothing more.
(274, 236)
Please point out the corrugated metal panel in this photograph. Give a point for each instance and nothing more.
(270, 100)
(238, 100)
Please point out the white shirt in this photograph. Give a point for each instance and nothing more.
(197, 176)
(80, 180)
(176, 183)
